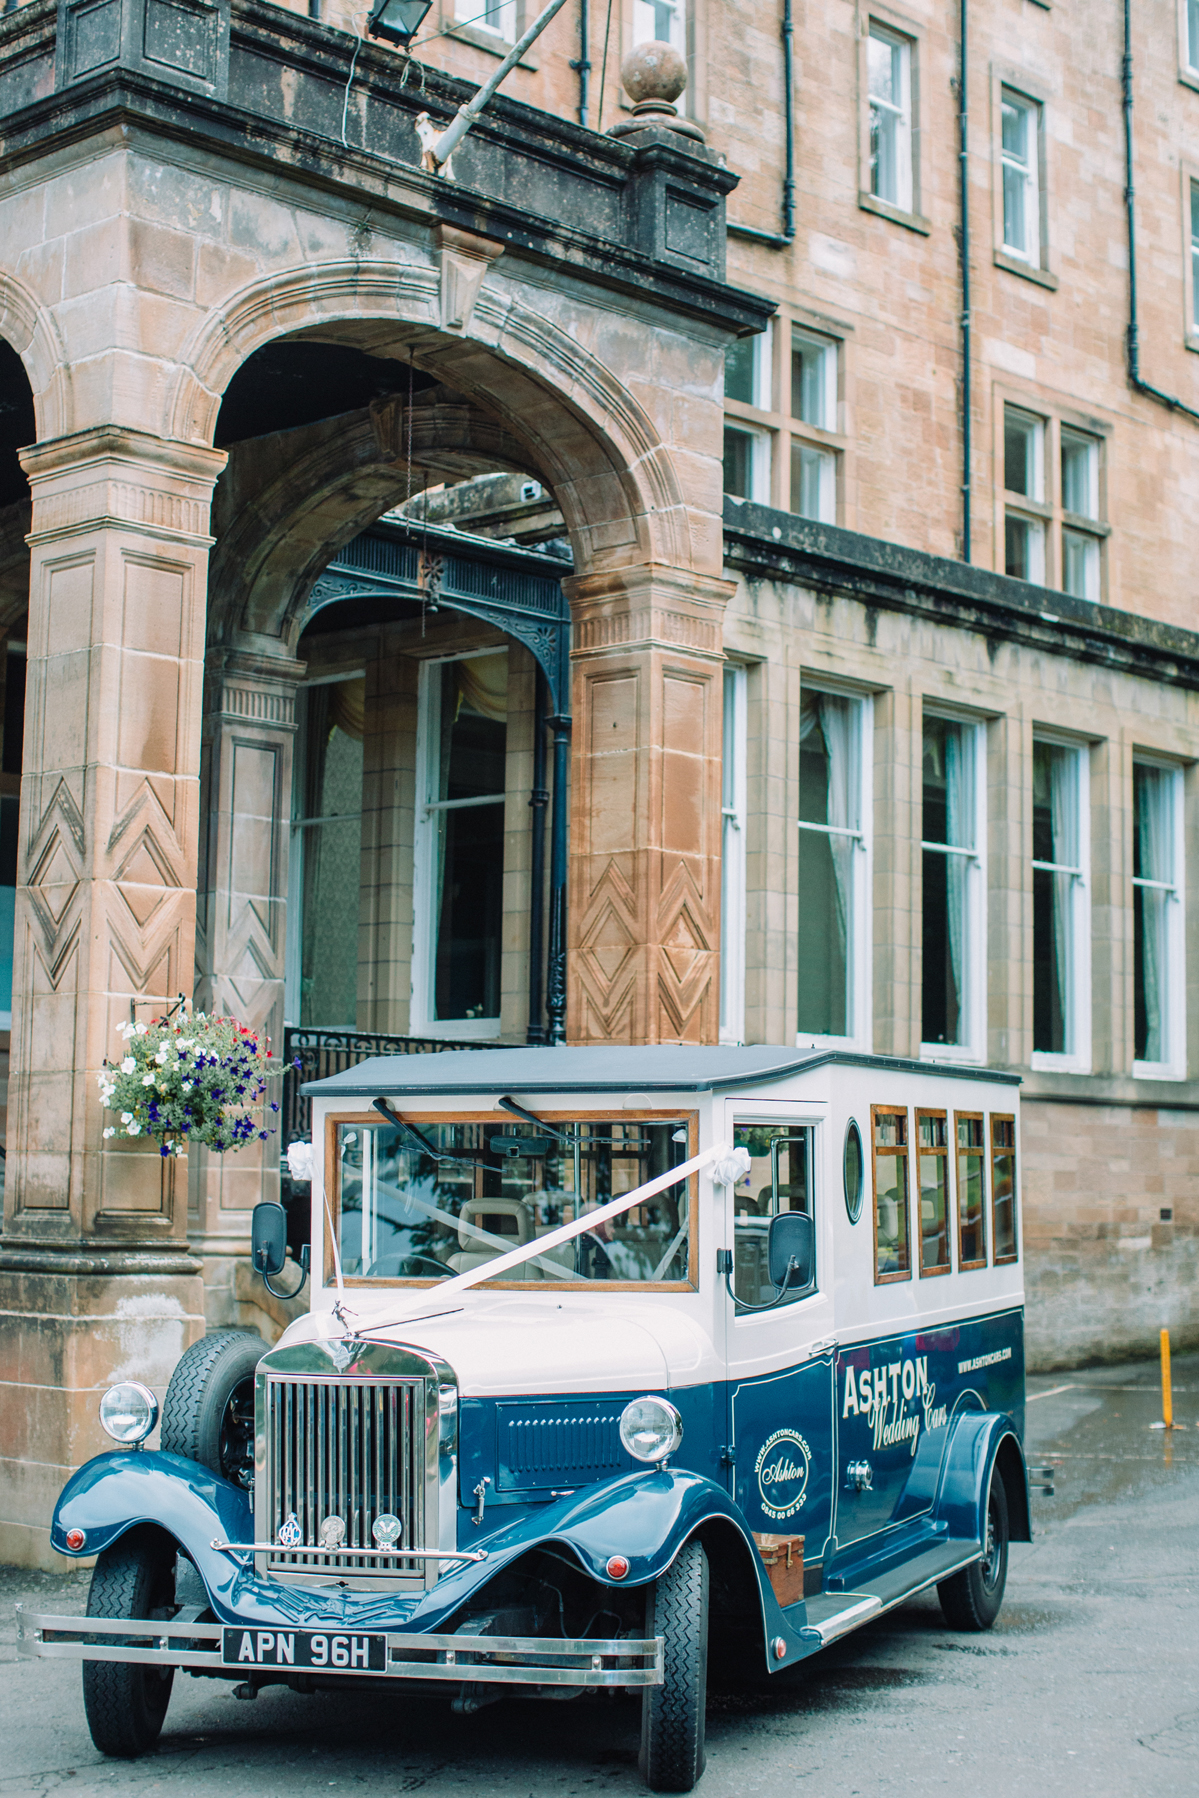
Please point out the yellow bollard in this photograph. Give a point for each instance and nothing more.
(1167, 1393)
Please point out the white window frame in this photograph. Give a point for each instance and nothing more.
(1028, 170)
(642, 30)
(761, 451)
(826, 350)
(1077, 1058)
(734, 824)
(1192, 224)
(1188, 27)
(861, 936)
(974, 1046)
(1030, 508)
(424, 925)
(761, 347)
(903, 199)
(480, 14)
(1174, 983)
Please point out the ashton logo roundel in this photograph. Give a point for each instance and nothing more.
(782, 1472)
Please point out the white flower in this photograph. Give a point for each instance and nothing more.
(111, 1131)
(161, 1056)
(128, 1066)
(187, 1085)
(147, 1079)
(126, 1117)
(135, 1129)
(141, 1029)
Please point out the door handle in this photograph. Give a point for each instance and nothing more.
(859, 1477)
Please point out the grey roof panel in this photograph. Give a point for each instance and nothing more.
(609, 1067)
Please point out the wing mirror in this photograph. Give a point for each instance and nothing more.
(268, 1247)
(791, 1250)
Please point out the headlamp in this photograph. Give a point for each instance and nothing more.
(129, 1412)
(650, 1429)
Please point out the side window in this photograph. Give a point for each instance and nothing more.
(892, 1240)
(1003, 1188)
(932, 1166)
(972, 1189)
(779, 1179)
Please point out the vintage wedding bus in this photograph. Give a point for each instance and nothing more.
(619, 1360)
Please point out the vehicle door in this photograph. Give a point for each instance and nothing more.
(780, 1449)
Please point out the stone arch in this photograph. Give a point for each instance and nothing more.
(31, 330)
(278, 521)
(584, 432)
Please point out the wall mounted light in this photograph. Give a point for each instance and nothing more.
(397, 20)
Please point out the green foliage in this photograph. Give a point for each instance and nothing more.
(196, 1079)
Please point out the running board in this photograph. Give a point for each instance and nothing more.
(835, 1614)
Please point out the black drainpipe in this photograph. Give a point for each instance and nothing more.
(556, 982)
(584, 63)
(779, 240)
(539, 799)
(964, 251)
(1132, 338)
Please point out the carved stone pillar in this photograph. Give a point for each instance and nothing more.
(644, 922)
(241, 928)
(95, 1274)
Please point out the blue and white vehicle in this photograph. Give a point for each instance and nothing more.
(620, 1362)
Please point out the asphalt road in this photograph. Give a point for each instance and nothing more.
(1088, 1685)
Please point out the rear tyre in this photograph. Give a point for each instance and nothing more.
(972, 1598)
(126, 1703)
(208, 1412)
(672, 1714)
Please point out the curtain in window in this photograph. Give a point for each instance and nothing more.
(829, 785)
(1063, 806)
(959, 822)
(1154, 861)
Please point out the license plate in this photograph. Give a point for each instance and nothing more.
(320, 1650)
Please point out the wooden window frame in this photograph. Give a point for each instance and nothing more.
(332, 1208)
(876, 1112)
(998, 1260)
(965, 1266)
(932, 1273)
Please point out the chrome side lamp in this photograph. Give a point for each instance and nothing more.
(397, 20)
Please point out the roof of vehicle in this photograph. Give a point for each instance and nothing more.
(607, 1067)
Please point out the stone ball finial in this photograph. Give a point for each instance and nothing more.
(653, 72)
(654, 75)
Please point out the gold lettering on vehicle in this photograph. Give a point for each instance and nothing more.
(897, 1402)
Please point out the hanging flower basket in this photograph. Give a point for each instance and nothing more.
(192, 1079)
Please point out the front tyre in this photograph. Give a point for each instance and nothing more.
(126, 1703)
(208, 1412)
(972, 1598)
(672, 1714)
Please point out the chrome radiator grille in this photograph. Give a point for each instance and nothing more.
(347, 1449)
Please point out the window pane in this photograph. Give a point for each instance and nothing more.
(813, 370)
(1003, 1187)
(1023, 548)
(891, 1243)
(890, 149)
(738, 463)
(883, 62)
(1080, 475)
(659, 22)
(972, 1228)
(474, 728)
(1153, 821)
(1023, 438)
(813, 483)
(1056, 835)
(468, 841)
(401, 1215)
(332, 789)
(829, 793)
(1080, 565)
(1195, 225)
(1154, 800)
(948, 817)
(1192, 51)
(739, 371)
(770, 1146)
(932, 1163)
(948, 782)
(1019, 154)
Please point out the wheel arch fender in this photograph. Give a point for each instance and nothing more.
(981, 1445)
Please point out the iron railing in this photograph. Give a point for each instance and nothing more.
(321, 1052)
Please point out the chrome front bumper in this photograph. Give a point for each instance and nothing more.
(459, 1659)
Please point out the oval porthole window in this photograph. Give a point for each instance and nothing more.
(853, 1171)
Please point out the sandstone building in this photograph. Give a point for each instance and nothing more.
(731, 583)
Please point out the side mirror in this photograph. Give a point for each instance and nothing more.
(268, 1238)
(790, 1249)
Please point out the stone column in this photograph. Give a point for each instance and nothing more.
(96, 1280)
(644, 922)
(241, 929)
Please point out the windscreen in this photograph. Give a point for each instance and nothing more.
(406, 1210)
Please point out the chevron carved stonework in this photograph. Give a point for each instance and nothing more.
(645, 830)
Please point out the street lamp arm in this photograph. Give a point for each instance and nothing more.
(440, 152)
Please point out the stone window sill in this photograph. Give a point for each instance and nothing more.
(911, 221)
(1191, 341)
(1014, 266)
(1189, 77)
